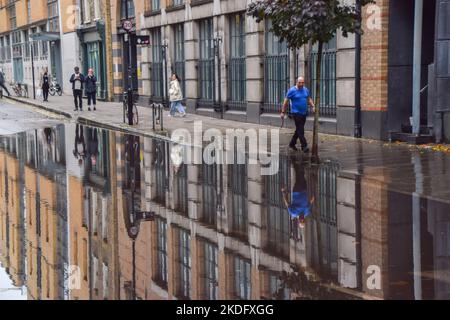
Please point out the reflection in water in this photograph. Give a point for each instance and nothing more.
(87, 213)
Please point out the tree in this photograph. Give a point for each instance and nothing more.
(302, 22)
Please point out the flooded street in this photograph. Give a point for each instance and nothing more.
(88, 213)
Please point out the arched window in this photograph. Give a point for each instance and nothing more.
(123, 11)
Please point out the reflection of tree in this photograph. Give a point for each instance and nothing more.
(305, 285)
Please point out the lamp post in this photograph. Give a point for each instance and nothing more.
(164, 75)
(32, 67)
(130, 82)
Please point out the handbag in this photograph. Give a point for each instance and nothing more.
(39, 93)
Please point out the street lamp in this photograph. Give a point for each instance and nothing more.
(32, 66)
(164, 75)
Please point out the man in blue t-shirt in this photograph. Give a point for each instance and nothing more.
(300, 100)
(300, 205)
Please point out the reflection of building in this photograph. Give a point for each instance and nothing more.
(45, 198)
(12, 209)
(92, 214)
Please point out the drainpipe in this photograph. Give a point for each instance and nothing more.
(357, 121)
(418, 20)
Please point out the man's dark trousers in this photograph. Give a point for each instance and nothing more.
(78, 99)
(300, 121)
(6, 89)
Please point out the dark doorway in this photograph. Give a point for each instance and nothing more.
(400, 61)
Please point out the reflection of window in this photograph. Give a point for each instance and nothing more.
(211, 274)
(242, 278)
(160, 170)
(278, 219)
(209, 186)
(184, 238)
(327, 205)
(182, 190)
(237, 186)
(105, 281)
(276, 71)
(275, 288)
(161, 254)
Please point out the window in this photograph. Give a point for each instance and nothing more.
(179, 60)
(206, 62)
(44, 44)
(237, 68)
(28, 11)
(17, 44)
(242, 278)
(127, 5)
(86, 11)
(177, 2)
(184, 238)
(7, 48)
(278, 218)
(97, 10)
(157, 67)
(211, 275)
(53, 16)
(209, 186)
(328, 78)
(237, 186)
(161, 256)
(27, 44)
(155, 5)
(276, 71)
(12, 16)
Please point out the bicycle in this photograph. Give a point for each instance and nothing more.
(20, 90)
(55, 88)
(125, 110)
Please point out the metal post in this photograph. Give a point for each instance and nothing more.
(217, 42)
(418, 20)
(416, 227)
(164, 78)
(32, 69)
(130, 82)
(358, 128)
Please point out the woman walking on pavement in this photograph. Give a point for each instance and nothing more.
(45, 85)
(91, 89)
(176, 97)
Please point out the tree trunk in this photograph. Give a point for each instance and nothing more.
(315, 149)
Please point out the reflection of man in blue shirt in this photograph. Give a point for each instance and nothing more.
(300, 206)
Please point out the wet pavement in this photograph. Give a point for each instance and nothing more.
(89, 213)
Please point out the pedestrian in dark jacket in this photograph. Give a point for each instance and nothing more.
(45, 85)
(77, 80)
(2, 82)
(91, 89)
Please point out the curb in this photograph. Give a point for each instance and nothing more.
(37, 105)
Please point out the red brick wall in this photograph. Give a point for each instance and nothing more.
(374, 57)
